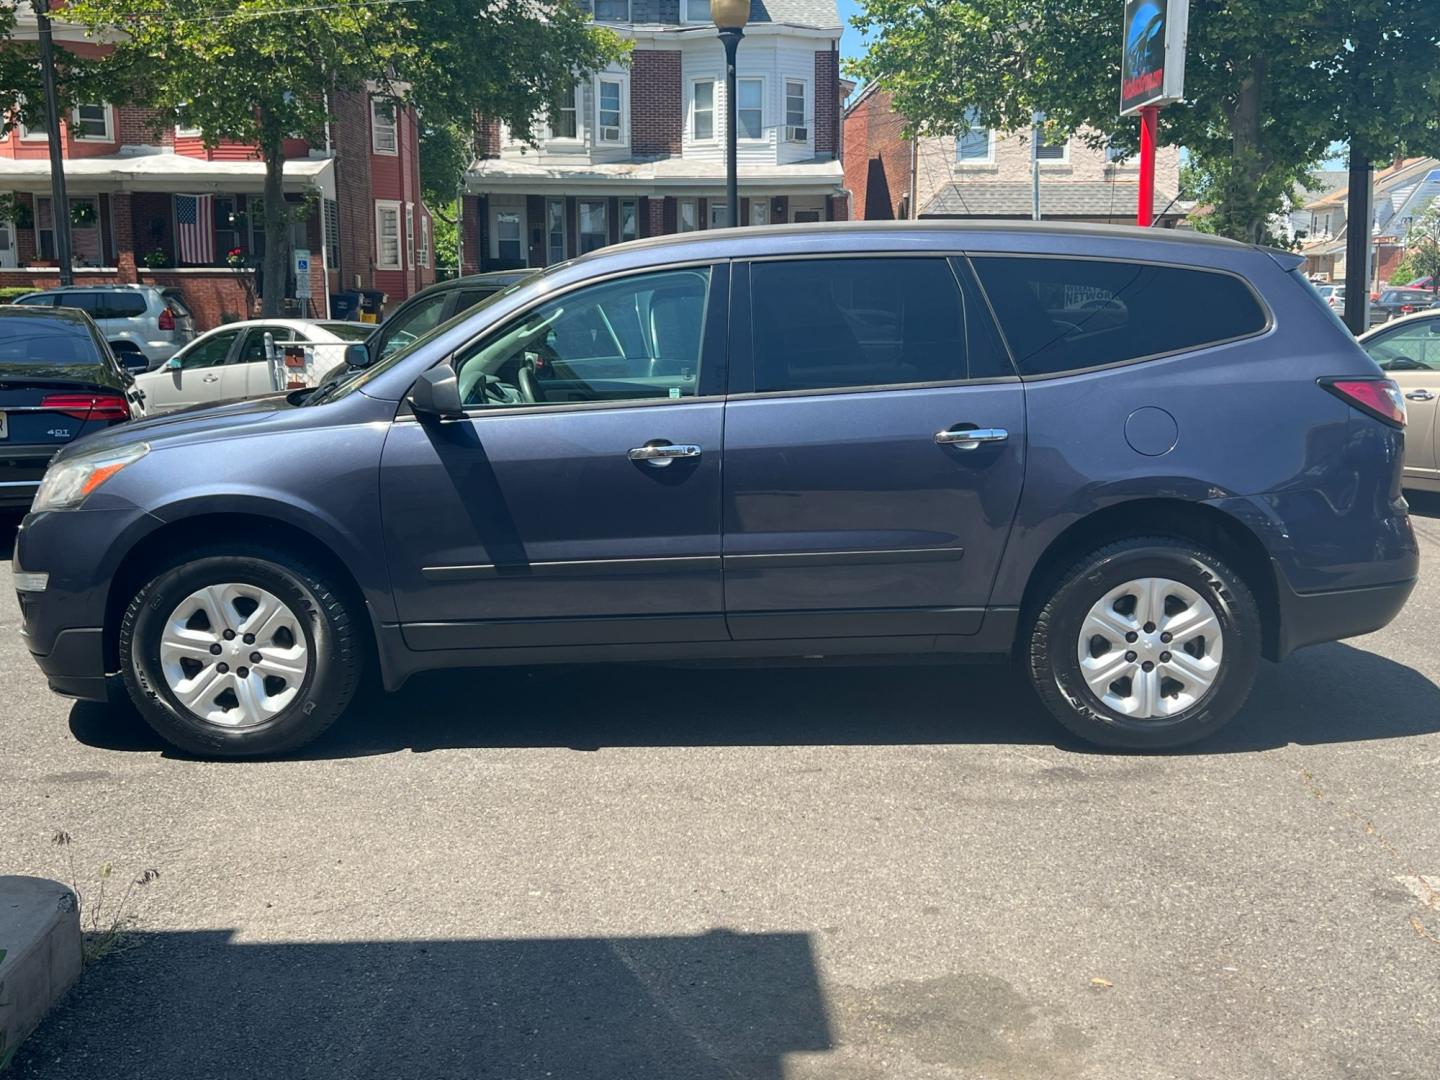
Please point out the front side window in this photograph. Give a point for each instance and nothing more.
(253, 350)
(750, 108)
(612, 10)
(387, 235)
(635, 338)
(610, 111)
(594, 229)
(863, 322)
(796, 127)
(702, 110)
(1064, 315)
(507, 236)
(210, 352)
(975, 142)
(94, 122)
(124, 304)
(1410, 348)
(384, 133)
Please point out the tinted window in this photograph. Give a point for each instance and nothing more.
(116, 305)
(468, 298)
(830, 323)
(638, 337)
(413, 322)
(1069, 314)
(46, 341)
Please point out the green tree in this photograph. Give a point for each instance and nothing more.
(263, 70)
(1269, 84)
(1422, 250)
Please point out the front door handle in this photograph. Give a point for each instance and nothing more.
(971, 438)
(1420, 395)
(211, 378)
(658, 454)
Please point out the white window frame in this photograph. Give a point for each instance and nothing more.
(740, 135)
(424, 255)
(970, 126)
(518, 213)
(107, 116)
(623, 82)
(714, 84)
(629, 11)
(578, 106)
(409, 234)
(805, 111)
(382, 207)
(717, 215)
(377, 125)
(686, 16)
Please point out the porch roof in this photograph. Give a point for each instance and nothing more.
(667, 176)
(161, 172)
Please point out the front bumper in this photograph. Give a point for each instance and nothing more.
(1312, 618)
(75, 665)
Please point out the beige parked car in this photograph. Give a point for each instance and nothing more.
(1408, 349)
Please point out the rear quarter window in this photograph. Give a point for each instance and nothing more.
(1064, 315)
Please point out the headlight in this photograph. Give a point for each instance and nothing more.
(67, 484)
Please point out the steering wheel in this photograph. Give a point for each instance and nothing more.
(527, 384)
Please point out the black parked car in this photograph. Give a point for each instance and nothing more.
(430, 307)
(1394, 303)
(58, 381)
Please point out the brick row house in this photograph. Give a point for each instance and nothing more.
(149, 203)
(640, 149)
(978, 173)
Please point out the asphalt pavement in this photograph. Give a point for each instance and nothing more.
(846, 872)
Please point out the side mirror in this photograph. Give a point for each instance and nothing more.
(173, 364)
(436, 395)
(357, 355)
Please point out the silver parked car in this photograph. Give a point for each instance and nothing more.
(144, 324)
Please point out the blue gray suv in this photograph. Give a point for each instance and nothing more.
(1136, 462)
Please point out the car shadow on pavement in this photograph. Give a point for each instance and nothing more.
(193, 1005)
(1425, 504)
(1329, 693)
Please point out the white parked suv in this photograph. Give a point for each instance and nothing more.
(229, 362)
(144, 324)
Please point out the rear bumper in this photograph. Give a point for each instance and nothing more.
(1312, 618)
(75, 666)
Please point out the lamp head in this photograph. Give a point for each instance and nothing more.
(730, 14)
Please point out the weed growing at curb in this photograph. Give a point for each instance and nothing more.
(105, 926)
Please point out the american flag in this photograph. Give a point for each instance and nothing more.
(195, 225)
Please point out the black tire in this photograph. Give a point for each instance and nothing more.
(1053, 636)
(332, 638)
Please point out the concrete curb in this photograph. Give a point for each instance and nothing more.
(40, 954)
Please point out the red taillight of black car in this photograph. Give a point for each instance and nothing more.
(1381, 398)
(103, 407)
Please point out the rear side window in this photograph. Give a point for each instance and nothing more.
(45, 342)
(836, 323)
(116, 305)
(1063, 315)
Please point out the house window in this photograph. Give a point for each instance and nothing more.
(384, 135)
(688, 217)
(804, 216)
(1045, 150)
(697, 11)
(612, 10)
(719, 217)
(629, 219)
(759, 211)
(94, 122)
(84, 238)
(796, 127)
(610, 110)
(424, 241)
(1114, 155)
(555, 231)
(702, 110)
(749, 104)
(565, 118)
(594, 230)
(330, 221)
(507, 236)
(974, 143)
(226, 224)
(409, 234)
(387, 235)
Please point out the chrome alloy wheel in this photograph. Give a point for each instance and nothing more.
(1151, 648)
(234, 655)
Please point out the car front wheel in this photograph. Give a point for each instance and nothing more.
(239, 653)
(1145, 644)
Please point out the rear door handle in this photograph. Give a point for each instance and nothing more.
(972, 438)
(1420, 395)
(658, 454)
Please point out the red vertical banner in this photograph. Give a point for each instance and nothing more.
(1149, 124)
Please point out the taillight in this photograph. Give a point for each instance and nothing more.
(88, 406)
(167, 320)
(1406, 309)
(1380, 398)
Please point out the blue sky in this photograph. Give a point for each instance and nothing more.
(850, 45)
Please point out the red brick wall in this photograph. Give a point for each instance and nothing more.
(838, 210)
(656, 103)
(487, 138)
(827, 103)
(136, 126)
(877, 158)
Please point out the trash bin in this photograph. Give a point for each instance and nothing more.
(372, 303)
(345, 306)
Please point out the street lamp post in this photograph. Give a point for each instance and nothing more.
(59, 201)
(730, 18)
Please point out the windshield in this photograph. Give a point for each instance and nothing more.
(45, 342)
(349, 331)
(354, 378)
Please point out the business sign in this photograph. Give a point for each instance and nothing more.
(1152, 69)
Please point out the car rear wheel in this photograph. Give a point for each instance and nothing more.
(1148, 643)
(239, 654)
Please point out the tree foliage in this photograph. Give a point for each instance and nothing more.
(1270, 84)
(1422, 250)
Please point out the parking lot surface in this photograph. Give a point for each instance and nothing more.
(843, 871)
